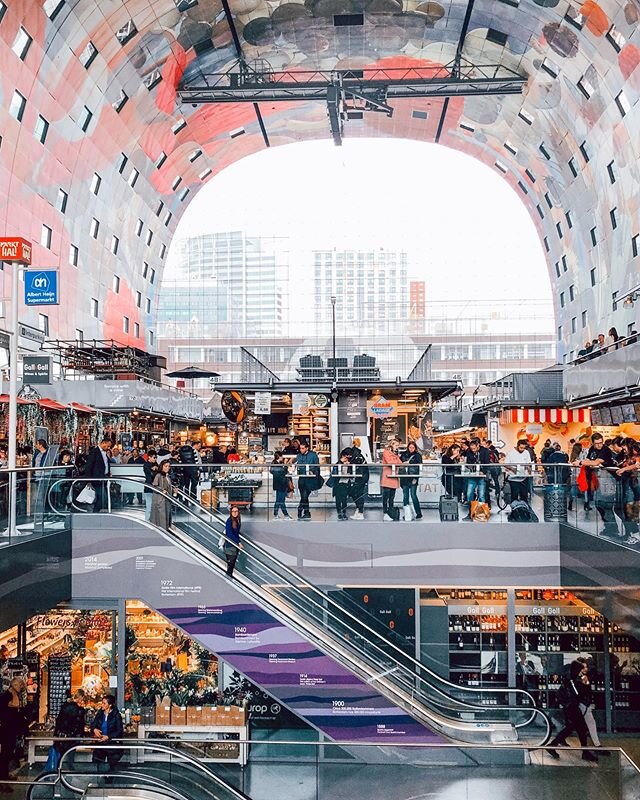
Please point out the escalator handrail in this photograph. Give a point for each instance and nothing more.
(444, 720)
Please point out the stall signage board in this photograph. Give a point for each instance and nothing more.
(380, 408)
(41, 287)
(36, 369)
(263, 403)
(300, 402)
(15, 248)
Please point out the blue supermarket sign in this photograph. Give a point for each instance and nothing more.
(41, 287)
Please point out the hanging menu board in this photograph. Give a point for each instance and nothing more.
(59, 683)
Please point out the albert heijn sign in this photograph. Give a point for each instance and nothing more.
(16, 249)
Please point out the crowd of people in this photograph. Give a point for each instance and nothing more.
(605, 344)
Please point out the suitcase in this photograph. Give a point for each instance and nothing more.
(448, 509)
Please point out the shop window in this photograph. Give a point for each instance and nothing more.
(46, 235)
(79, 335)
(96, 181)
(88, 55)
(496, 37)
(152, 338)
(73, 255)
(21, 44)
(17, 106)
(120, 102)
(62, 200)
(86, 115)
(152, 79)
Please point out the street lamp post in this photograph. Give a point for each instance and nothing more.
(334, 394)
(333, 339)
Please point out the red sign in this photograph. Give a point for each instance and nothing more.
(15, 248)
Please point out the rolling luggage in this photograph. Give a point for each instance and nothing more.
(448, 509)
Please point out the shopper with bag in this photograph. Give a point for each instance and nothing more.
(281, 484)
(231, 544)
(161, 500)
(409, 481)
(389, 480)
(70, 725)
(13, 725)
(309, 478)
(341, 481)
(98, 468)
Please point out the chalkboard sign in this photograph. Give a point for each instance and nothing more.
(59, 668)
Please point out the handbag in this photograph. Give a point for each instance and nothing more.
(87, 495)
(53, 759)
(290, 488)
(582, 481)
(331, 481)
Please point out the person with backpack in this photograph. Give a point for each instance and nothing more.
(360, 479)
(570, 695)
(341, 481)
(282, 483)
(70, 724)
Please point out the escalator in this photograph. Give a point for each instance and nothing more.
(325, 661)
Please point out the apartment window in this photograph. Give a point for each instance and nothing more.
(466, 127)
(145, 270)
(88, 55)
(163, 251)
(540, 211)
(139, 299)
(73, 255)
(592, 275)
(611, 172)
(630, 328)
(152, 276)
(136, 330)
(584, 152)
(557, 266)
(559, 333)
(152, 79)
(497, 37)
(18, 105)
(149, 237)
(550, 68)
(573, 167)
(559, 229)
(21, 44)
(42, 129)
(116, 284)
(567, 216)
(502, 167)
(584, 319)
(52, 7)
(160, 208)
(79, 335)
(564, 263)
(574, 324)
(46, 234)
(133, 177)
(139, 227)
(205, 173)
(594, 235)
(115, 244)
(616, 39)
(572, 292)
(614, 297)
(62, 200)
(178, 126)
(126, 32)
(530, 175)
(523, 188)
(120, 102)
(544, 151)
(545, 242)
(623, 104)
(176, 182)
(43, 323)
(183, 194)
(95, 227)
(574, 18)
(147, 305)
(3, 10)
(196, 154)
(614, 218)
(561, 299)
(125, 324)
(525, 116)
(152, 338)
(95, 183)
(635, 244)
(94, 307)
(161, 159)
(168, 218)
(548, 200)
(511, 148)
(123, 163)
(85, 118)
(585, 87)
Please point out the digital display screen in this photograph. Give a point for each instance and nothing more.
(628, 413)
(605, 416)
(616, 415)
(596, 418)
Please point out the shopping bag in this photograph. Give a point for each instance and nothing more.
(53, 759)
(479, 511)
(221, 542)
(87, 495)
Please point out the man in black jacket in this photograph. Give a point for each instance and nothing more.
(360, 479)
(70, 724)
(190, 459)
(477, 459)
(98, 467)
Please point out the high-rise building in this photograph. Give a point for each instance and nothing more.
(370, 286)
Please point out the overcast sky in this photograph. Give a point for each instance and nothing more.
(467, 232)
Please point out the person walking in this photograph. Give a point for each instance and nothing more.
(518, 465)
(451, 479)
(232, 545)
(389, 480)
(341, 480)
(189, 459)
(360, 479)
(309, 480)
(160, 515)
(107, 726)
(586, 705)
(281, 485)
(13, 724)
(476, 484)
(98, 468)
(570, 696)
(409, 478)
(70, 724)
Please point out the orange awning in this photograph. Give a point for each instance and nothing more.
(51, 405)
(83, 409)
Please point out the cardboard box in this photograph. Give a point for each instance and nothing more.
(178, 715)
(163, 714)
(195, 715)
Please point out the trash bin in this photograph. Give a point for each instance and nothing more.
(555, 502)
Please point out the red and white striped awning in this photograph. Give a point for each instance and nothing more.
(524, 416)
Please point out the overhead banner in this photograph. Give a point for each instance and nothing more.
(263, 403)
(300, 403)
(380, 408)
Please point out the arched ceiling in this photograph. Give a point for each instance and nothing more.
(568, 145)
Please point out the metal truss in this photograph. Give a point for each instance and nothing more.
(349, 93)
